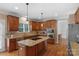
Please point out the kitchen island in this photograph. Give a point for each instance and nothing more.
(31, 47)
(11, 40)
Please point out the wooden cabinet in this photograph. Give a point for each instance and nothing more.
(27, 51)
(77, 16)
(13, 23)
(40, 25)
(50, 24)
(22, 51)
(32, 25)
(35, 26)
(35, 50)
(11, 45)
(74, 18)
(41, 48)
(43, 25)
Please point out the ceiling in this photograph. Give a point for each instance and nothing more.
(50, 10)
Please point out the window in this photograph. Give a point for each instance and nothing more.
(23, 24)
(24, 27)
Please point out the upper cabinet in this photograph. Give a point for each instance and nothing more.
(35, 26)
(43, 25)
(13, 23)
(74, 18)
(77, 17)
(51, 24)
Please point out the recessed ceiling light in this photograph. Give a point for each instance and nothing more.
(16, 7)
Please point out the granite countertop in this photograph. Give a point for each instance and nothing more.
(20, 35)
(14, 36)
(30, 42)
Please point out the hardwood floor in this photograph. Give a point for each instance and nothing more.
(59, 49)
(14, 53)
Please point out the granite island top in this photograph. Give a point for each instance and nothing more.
(30, 42)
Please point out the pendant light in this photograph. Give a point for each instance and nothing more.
(42, 18)
(41, 15)
(27, 13)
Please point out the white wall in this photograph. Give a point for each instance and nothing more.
(63, 28)
(2, 32)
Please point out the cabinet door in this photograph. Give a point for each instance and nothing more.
(31, 51)
(22, 51)
(41, 48)
(12, 45)
(10, 23)
(53, 24)
(16, 23)
(39, 26)
(77, 19)
(44, 25)
(33, 25)
(13, 23)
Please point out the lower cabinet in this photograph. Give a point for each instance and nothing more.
(41, 48)
(22, 51)
(11, 45)
(36, 50)
(51, 41)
